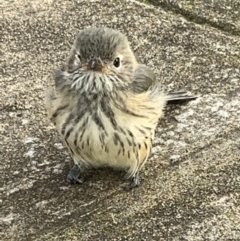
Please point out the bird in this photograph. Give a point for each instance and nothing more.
(106, 105)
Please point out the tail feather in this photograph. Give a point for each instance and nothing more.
(179, 96)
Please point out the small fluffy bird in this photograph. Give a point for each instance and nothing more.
(106, 105)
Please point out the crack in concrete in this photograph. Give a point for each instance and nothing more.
(188, 15)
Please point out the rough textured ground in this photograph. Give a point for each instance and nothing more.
(220, 14)
(191, 185)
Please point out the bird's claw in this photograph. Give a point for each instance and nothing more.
(134, 183)
(73, 175)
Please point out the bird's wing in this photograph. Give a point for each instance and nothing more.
(49, 98)
(143, 79)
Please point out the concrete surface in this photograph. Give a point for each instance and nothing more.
(191, 184)
(220, 14)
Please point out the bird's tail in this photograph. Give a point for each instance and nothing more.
(179, 96)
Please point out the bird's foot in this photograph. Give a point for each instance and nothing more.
(74, 174)
(134, 183)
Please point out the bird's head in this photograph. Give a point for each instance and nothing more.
(101, 58)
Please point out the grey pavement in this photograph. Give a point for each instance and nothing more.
(220, 14)
(190, 186)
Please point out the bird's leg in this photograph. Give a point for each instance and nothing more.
(74, 174)
(135, 181)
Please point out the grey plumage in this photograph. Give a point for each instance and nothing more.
(106, 105)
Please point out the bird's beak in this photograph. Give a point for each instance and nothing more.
(95, 64)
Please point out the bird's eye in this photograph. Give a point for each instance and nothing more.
(79, 57)
(116, 62)
(74, 62)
